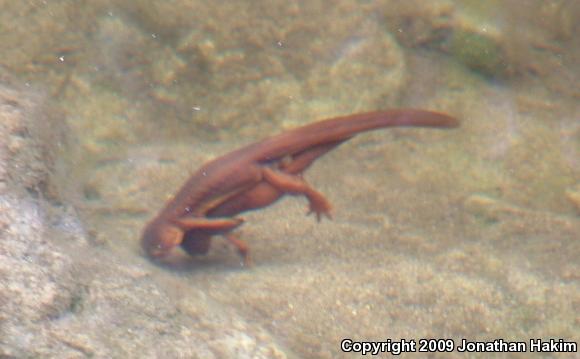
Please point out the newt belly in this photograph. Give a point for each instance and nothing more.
(259, 174)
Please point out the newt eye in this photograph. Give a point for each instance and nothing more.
(159, 239)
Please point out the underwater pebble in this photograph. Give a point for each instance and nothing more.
(483, 206)
(573, 194)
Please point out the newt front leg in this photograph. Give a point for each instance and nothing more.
(197, 242)
(162, 235)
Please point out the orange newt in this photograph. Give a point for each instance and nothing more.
(259, 174)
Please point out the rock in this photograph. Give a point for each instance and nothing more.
(62, 296)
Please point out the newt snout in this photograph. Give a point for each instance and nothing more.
(159, 239)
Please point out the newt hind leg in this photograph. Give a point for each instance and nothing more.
(289, 177)
(296, 185)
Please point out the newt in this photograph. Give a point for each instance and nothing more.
(259, 174)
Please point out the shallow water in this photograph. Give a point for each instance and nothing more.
(470, 233)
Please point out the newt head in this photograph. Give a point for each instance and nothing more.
(159, 238)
